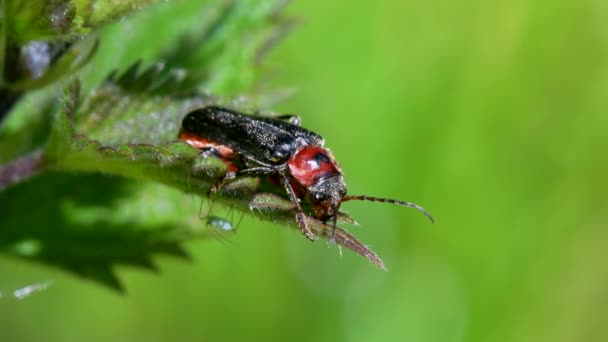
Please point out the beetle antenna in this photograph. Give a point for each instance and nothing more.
(388, 200)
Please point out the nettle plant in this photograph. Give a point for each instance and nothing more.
(92, 97)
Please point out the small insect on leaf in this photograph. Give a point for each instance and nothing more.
(220, 228)
(221, 224)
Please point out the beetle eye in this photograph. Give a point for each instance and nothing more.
(320, 196)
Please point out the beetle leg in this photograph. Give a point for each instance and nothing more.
(262, 170)
(300, 217)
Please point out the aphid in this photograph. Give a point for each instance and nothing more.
(279, 147)
(219, 227)
(221, 224)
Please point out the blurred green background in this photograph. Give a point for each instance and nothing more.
(492, 115)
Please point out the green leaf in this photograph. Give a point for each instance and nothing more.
(213, 63)
(94, 13)
(27, 128)
(39, 40)
(28, 20)
(126, 128)
(68, 64)
(88, 223)
(152, 52)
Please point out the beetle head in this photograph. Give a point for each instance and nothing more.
(326, 195)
